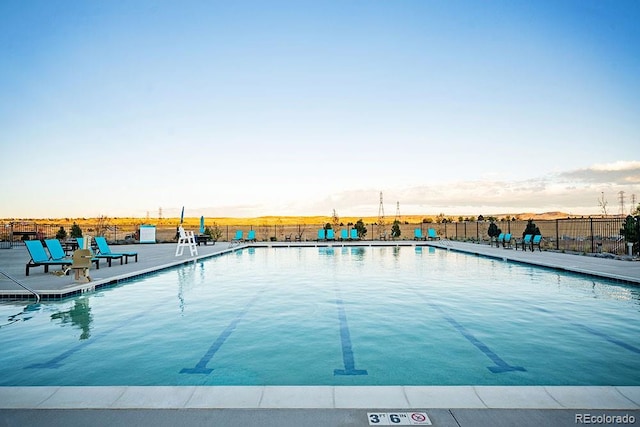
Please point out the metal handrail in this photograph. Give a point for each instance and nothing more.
(21, 285)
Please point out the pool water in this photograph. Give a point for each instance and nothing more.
(332, 316)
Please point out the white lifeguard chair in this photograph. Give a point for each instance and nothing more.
(186, 239)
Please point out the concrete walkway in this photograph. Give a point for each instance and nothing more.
(306, 406)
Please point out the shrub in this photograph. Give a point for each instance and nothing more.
(493, 231)
(76, 231)
(395, 229)
(61, 234)
(362, 230)
(630, 230)
(531, 228)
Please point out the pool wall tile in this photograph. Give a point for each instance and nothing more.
(370, 397)
(590, 397)
(516, 397)
(226, 397)
(297, 397)
(155, 397)
(443, 397)
(83, 397)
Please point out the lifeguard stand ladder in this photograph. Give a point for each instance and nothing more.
(186, 239)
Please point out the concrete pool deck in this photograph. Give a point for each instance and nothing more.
(291, 405)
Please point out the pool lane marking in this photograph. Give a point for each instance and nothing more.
(609, 338)
(500, 365)
(55, 362)
(347, 349)
(592, 331)
(201, 366)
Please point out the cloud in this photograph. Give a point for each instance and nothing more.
(617, 173)
(574, 191)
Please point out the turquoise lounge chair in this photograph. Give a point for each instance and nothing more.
(500, 239)
(526, 241)
(109, 258)
(251, 236)
(57, 252)
(238, 237)
(537, 239)
(344, 234)
(506, 242)
(354, 234)
(417, 234)
(39, 257)
(322, 235)
(331, 235)
(432, 235)
(103, 249)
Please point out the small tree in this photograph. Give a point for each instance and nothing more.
(630, 230)
(76, 231)
(493, 231)
(395, 229)
(531, 228)
(102, 225)
(215, 232)
(362, 230)
(602, 202)
(328, 226)
(61, 234)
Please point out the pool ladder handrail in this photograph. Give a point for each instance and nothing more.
(21, 285)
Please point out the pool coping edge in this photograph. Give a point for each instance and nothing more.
(321, 397)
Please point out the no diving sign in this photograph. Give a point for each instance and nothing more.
(398, 418)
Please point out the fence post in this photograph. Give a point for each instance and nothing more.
(593, 249)
(637, 217)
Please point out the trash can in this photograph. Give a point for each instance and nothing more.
(147, 234)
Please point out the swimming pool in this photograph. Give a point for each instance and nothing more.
(332, 316)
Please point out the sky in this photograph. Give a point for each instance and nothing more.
(255, 108)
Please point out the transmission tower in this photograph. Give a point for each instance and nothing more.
(621, 199)
(398, 211)
(633, 203)
(159, 213)
(381, 221)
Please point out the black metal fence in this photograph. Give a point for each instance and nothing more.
(585, 235)
(588, 235)
(14, 233)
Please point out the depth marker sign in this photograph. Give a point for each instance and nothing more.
(398, 418)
